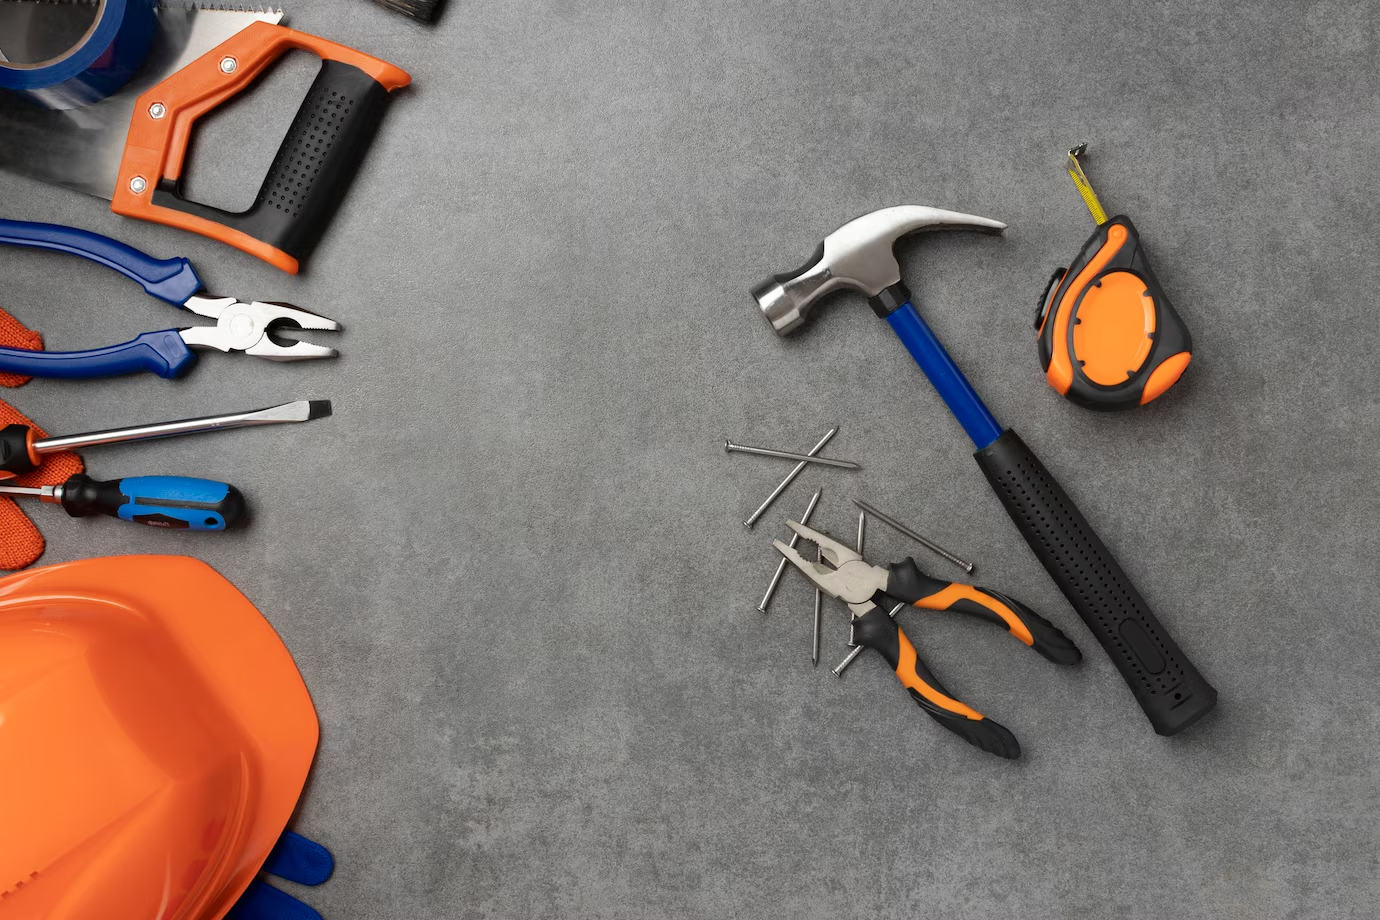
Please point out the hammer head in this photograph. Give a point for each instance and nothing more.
(858, 255)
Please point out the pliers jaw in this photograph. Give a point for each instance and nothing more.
(250, 328)
(849, 577)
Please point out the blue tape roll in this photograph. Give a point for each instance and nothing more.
(105, 59)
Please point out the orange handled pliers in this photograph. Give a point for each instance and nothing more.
(853, 580)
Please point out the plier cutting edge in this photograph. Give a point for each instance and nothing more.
(247, 327)
(853, 580)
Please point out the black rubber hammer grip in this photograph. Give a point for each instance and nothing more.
(1165, 683)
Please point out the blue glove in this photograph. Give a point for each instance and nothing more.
(296, 859)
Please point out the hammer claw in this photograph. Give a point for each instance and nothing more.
(859, 255)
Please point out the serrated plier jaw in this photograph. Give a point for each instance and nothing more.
(249, 327)
(848, 577)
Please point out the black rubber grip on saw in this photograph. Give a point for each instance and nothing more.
(314, 167)
(1165, 683)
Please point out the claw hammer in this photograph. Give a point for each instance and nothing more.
(860, 256)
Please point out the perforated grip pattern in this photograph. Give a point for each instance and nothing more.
(324, 122)
(313, 168)
(1165, 683)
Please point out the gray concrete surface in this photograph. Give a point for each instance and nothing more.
(511, 567)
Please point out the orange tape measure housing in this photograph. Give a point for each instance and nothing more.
(1108, 337)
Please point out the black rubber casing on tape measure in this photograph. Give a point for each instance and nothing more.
(1108, 337)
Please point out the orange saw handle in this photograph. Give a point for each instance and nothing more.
(314, 166)
(876, 630)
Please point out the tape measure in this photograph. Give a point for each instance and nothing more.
(1108, 337)
(69, 55)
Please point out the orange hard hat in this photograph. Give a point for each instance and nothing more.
(154, 739)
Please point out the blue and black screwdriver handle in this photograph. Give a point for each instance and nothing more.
(159, 501)
(859, 256)
(172, 502)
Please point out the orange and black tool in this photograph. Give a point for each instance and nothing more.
(852, 579)
(132, 147)
(317, 160)
(23, 447)
(1108, 337)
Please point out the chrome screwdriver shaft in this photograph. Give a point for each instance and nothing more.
(42, 493)
(303, 410)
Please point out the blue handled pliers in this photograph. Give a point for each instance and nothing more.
(246, 327)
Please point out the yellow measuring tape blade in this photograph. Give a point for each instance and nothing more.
(1085, 188)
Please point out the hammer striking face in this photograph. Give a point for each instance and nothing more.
(859, 255)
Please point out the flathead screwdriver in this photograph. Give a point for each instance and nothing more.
(174, 502)
(21, 452)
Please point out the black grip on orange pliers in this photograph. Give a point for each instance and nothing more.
(1108, 336)
(876, 630)
(907, 583)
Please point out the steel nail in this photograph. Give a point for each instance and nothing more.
(790, 478)
(902, 528)
(732, 448)
(795, 538)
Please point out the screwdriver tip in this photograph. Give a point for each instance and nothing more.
(318, 408)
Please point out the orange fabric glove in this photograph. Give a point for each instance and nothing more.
(20, 542)
(14, 334)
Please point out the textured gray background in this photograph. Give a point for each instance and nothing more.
(511, 567)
